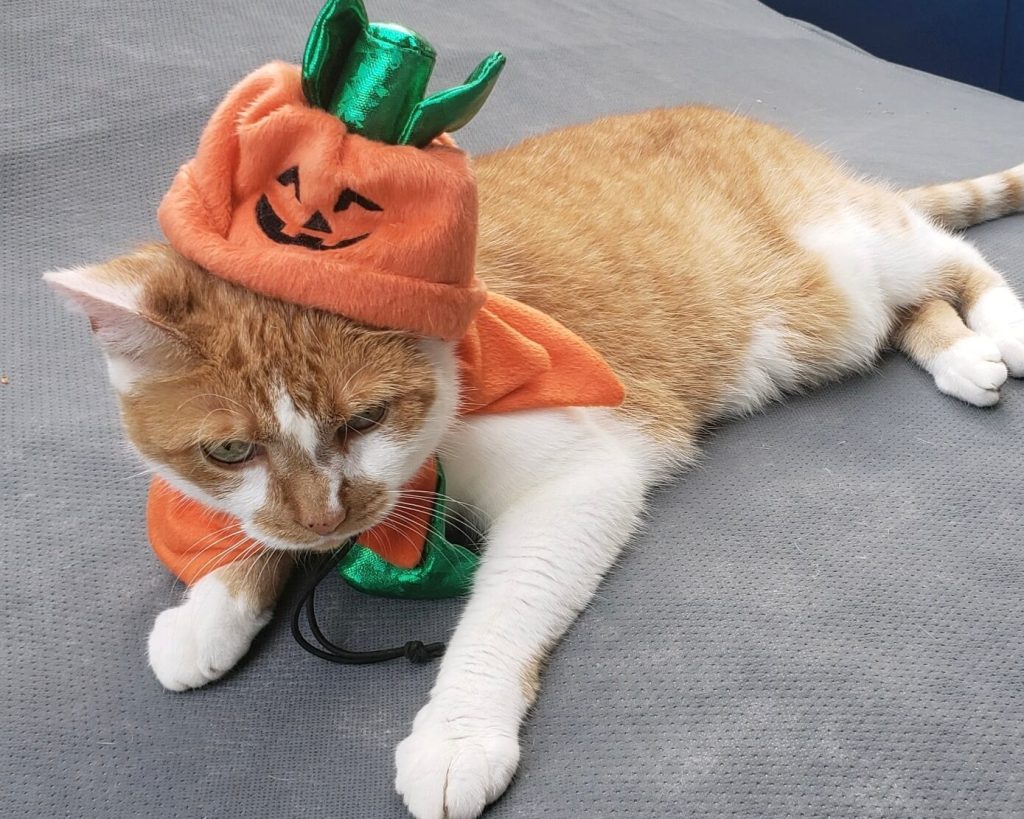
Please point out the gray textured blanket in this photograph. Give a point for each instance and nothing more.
(822, 619)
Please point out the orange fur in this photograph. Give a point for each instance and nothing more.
(662, 242)
(970, 201)
(930, 327)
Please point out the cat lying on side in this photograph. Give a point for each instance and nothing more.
(715, 262)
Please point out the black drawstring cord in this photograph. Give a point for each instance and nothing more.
(414, 650)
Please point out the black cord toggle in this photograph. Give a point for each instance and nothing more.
(415, 651)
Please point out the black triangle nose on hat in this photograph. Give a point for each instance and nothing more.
(318, 223)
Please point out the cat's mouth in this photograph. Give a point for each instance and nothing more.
(282, 542)
(290, 539)
(328, 542)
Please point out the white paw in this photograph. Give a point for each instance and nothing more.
(200, 640)
(1011, 346)
(972, 370)
(1000, 316)
(450, 768)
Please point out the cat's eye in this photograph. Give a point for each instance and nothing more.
(230, 452)
(367, 419)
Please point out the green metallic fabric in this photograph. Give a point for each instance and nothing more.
(452, 108)
(446, 569)
(330, 40)
(373, 77)
(385, 78)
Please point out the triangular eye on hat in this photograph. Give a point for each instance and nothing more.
(373, 77)
(291, 177)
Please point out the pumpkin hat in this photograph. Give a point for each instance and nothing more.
(336, 187)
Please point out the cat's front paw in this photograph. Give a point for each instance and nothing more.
(202, 639)
(451, 767)
(972, 370)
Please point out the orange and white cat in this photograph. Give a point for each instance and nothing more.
(715, 262)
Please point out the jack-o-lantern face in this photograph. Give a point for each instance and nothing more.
(273, 226)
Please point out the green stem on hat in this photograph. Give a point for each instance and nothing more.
(386, 76)
(373, 77)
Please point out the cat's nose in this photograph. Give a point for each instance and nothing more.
(324, 524)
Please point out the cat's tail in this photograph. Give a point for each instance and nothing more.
(957, 205)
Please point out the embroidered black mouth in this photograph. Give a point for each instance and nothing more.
(272, 226)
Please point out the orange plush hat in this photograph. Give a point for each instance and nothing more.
(284, 199)
(334, 187)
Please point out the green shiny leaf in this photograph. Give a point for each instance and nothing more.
(337, 26)
(452, 108)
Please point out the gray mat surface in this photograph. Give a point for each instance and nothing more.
(823, 619)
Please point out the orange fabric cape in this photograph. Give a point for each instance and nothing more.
(512, 358)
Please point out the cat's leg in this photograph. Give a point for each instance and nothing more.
(953, 267)
(564, 492)
(991, 308)
(925, 264)
(202, 639)
(964, 364)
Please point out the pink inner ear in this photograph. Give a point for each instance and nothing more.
(112, 307)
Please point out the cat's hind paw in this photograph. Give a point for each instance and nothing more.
(202, 639)
(999, 315)
(448, 768)
(972, 370)
(1011, 347)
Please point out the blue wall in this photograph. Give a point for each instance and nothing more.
(980, 42)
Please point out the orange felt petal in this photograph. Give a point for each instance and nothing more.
(400, 542)
(191, 539)
(516, 358)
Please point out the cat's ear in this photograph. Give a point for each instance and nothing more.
(137, 344)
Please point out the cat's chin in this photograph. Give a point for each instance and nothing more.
(319, 546)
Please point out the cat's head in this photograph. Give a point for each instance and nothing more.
(300, 423)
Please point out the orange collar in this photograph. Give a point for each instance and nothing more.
(511, 358)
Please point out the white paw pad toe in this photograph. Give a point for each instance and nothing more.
(999, 315)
